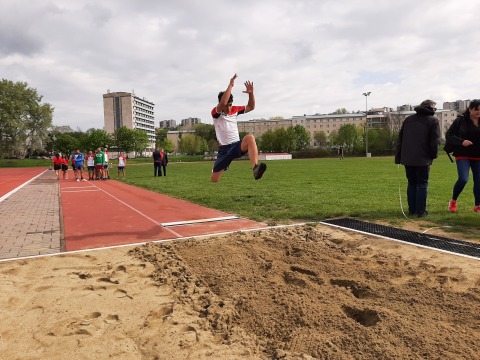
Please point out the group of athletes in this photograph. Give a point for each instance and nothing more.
(96, 163)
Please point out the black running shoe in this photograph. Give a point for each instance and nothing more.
(258, 170)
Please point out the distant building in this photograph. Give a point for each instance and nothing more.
(405, 108)
(459, 105)
(126, 109)
(445, 119)
(188, 123)
(168, 124)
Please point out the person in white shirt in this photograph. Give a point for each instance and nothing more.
(225, 122)
(122, 161)
(106, 172)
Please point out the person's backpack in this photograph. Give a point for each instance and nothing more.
(449, 147)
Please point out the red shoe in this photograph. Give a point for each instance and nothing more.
(452, 206)
(476, 209)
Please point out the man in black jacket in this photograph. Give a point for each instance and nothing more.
(416, 148)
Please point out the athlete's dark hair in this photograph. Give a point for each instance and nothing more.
(220, 94)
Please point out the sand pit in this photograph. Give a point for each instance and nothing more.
(299, 292)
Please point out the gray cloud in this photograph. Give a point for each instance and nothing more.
(303, 56)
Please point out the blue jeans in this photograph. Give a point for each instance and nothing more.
(463, 169)
(417, 177)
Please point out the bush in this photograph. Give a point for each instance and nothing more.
(314, 153)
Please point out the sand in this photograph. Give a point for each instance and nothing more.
(300, 292)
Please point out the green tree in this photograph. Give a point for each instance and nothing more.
(339, 111)
(206, 131)
(290, 141)
(66, 144)
(347, 137)
(24, 121)
(266, 141)
(320, 138)
(166, 145)
(213, 145)
(192, 144)
(332, 138)
(302, 137)
(281, 140)
(125, 139)
(95, 138)
(140, 140)
(160, 136)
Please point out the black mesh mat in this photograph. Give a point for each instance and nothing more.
(427, 240)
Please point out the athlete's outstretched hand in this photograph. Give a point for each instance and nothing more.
(232, 80)
(249, 87)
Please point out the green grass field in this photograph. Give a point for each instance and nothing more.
(307, 190)
(314, 189)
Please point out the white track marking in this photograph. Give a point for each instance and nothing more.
(199, 221)
(138, 211)
(7, 195)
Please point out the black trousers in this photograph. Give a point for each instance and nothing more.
(157, 169)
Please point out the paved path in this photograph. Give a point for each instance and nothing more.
(30, 221)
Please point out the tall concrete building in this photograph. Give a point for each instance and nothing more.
(168, 124)
(188, 123)
(126, 109)
(458, 105)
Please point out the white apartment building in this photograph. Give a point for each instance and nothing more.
(126, 109)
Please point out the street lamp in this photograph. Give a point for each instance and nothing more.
(366, 94)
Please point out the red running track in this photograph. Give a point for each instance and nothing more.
(11, 178)
(108, 213)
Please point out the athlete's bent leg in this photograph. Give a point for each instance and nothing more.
(215, 177)
(249, 145)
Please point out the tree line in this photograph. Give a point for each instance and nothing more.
(26, 130)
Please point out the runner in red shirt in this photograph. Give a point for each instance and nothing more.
(57, 164)
(65, 167)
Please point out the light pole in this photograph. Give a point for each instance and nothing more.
(366, 94)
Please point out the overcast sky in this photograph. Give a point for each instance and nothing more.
(304, 57)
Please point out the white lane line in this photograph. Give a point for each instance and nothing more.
(199, 221)
(77, 191)
(138, 212)
(78, 187)
(401, 241)
(10, 193)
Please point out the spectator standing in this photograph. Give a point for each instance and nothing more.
(99, 161)
(79, 160)
(163, 163)
(157, 162)
(464, 134)
(106, 172)
(122, 162)
(91, 165)
(417, 147)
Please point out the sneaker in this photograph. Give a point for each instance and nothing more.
(78, 180)
(84, 179)
(452, 206)
(476, 209)
(258, 171)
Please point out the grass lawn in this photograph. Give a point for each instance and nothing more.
(4, 163)
(313, 190)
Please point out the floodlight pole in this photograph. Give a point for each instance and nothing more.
(366, 94)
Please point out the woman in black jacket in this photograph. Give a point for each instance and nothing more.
(464, 135)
